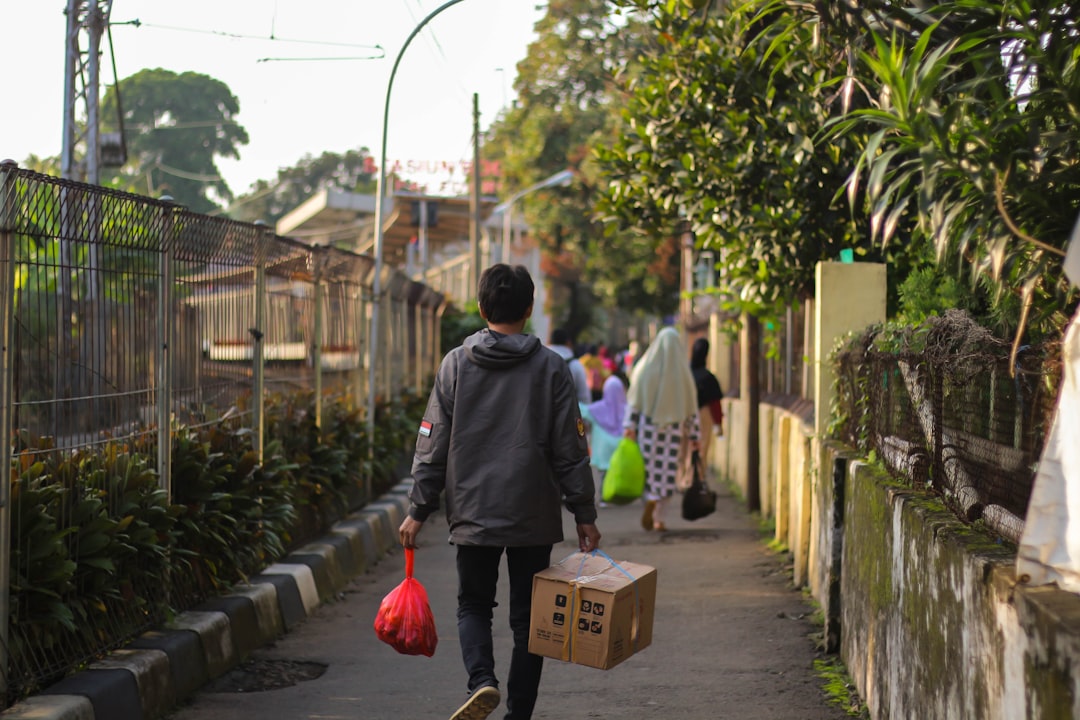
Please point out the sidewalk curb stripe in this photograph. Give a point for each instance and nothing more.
(243, 625)
(369, 548)
(355, 539)
(153, 677)
(290, 604)
(54, 707)
(339, 552)
(322, 573)
(161, 668)
(216, 638)
(305, 582)
(187, 662)
(268, 615)
(379, 521)
(113, 693)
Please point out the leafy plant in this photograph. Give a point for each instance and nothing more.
(972, 142)
(839, 689)
(98, 553)
(238, 512)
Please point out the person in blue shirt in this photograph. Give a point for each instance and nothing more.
(605, 417)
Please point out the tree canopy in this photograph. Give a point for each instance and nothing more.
(786, 131)
(269, 200)
(569, 88)
(723, 126)
(176, 125)
(971, 116)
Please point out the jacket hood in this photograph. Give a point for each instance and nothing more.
(490, 349)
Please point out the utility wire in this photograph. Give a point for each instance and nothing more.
(187, 175)
(320, 59)
(429, 36)
(240, 36)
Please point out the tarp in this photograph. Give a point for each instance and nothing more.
(1050, 544)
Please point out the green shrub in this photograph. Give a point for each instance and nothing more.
(99, 554)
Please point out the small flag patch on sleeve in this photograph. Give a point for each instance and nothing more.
(425, 428)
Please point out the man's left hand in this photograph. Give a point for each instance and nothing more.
(588, 537)
(408, 531)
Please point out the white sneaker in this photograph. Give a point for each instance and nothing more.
(479, 705)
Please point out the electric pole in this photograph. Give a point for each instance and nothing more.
(80, 160)
(474, 200)
(86, 23)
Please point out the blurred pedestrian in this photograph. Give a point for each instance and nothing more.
(502, 436)
(594, 371)
(606, 418)
(709, 397)
(661, 408)
(560, 343)
(628, 356)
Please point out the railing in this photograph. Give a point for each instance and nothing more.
(952, 417)
(125, 317)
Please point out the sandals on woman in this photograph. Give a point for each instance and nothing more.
(647, 515)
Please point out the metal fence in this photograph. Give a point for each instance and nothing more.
(123, 317)
(951, 416)
(782, 359)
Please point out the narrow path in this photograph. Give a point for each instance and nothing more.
(730, 640)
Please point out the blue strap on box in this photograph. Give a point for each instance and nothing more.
(575, 604)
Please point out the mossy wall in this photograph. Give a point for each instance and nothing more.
(932, 623)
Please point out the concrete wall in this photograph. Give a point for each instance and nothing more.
(728, 453)
(933, 622)
(925, 611)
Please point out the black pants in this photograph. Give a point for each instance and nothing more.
(478, 575)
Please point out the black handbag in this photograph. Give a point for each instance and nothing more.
(698, 500)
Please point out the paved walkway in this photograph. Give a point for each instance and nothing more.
(731, 640)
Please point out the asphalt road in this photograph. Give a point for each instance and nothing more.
(731, 639)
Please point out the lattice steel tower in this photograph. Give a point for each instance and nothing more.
(84, 148)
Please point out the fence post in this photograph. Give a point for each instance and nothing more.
(420, 345)
(8, 172)
(166, 293)
(258, 336)
(317, 257)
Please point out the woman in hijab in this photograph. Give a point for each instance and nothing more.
(606, 417)
(709, 395)
(661, 408)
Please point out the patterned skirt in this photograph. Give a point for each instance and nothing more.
(660, 448)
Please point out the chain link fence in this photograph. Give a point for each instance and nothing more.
(123, 318)
(943, 407)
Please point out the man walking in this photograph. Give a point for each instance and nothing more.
(503, 437)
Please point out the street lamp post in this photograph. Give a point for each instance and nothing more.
(561, 178)
(376, 285)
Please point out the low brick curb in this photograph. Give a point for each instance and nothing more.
(155, 672)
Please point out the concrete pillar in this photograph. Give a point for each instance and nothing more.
(849, 296)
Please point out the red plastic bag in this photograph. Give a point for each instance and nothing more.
(404, 621)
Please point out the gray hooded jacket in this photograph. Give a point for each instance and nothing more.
(503, 436)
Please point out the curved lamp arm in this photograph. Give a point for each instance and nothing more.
(376, 285)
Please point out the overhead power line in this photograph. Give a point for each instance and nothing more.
(320, 59)
(187, 175)
(241, 36)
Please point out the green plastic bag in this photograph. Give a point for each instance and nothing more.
(624, 481)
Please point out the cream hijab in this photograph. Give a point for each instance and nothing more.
(661, 385)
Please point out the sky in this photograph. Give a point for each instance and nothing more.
(294, 99)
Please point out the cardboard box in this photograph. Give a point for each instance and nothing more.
(592, 611)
